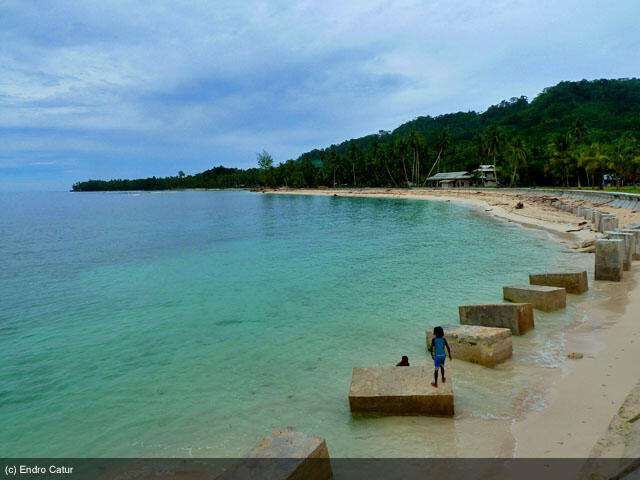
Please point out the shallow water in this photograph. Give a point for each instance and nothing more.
(192, 323)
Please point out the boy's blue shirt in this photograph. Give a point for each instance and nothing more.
(438, 343)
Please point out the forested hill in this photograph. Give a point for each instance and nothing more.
(570, 134)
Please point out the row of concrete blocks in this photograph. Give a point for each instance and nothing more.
(601, 221)
(615, 252)
(614, 199)
(631, 202)
(483, 337)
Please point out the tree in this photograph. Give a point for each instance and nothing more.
(578, 131)
(561, 158)
(494, 142)
(400, 151)
(442, 142)
(353, 159)
(518, 157)
(265, 160)
(594, 159)
(622, 158)
(265, 163)
(416, 143)
(577, 134)
(334, 164)
(181, 174)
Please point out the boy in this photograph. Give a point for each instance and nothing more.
(436, 349)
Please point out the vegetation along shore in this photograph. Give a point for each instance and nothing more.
(575, 133)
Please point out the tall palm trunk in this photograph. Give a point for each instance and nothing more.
(495, 175)
(389, 173)
(404, 167)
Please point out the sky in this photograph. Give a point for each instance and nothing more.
(128, 89)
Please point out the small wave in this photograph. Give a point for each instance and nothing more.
(533, 401)
(489, 416)
(551, 355)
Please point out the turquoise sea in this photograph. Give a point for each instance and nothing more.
(192, 323)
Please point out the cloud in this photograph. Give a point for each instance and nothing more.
(126, 88)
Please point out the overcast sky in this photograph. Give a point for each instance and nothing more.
(123, 89)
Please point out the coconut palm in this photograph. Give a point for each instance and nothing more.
(562, 159)
(442, 142)
(594, 159)
(518, 157)
(416, 143)
(494, 143)
(578, 131)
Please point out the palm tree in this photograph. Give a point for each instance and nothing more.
(578, 131)
(494, 142)
(386, 154)
(519, 157)
(623, 156)
(400, 150)
(353, 157)
(334, 164)
(594, 160)
(415, 142)
(561, 157)
(443, 140)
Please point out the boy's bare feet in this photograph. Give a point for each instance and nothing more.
(434, 384)
(444, 379)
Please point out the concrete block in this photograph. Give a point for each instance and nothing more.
(587, 213)
(608, 223)
(572, 282)
(487, 346)
(541, 297)
(400, 391)
(517, 317)
(609, 259)
(283, 454)
(628, 239)
(635, 247)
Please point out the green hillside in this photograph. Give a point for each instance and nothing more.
(570, 134)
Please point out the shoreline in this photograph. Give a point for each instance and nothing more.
(585, 397)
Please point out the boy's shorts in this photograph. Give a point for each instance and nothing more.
(438, 361)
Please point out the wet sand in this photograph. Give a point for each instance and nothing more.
(582, 397)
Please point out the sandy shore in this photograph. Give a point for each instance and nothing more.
(585, 396)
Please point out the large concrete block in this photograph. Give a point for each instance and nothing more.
(628, 240)
(541, 297)
(517, 317)
(596, 218)
(487, 346)
(587, 213)
(608, 223)
(400, 391)
(635, 248)
(283, 454)
(572, 282)
(609, 259)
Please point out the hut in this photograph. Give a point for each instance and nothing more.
(453, 179)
